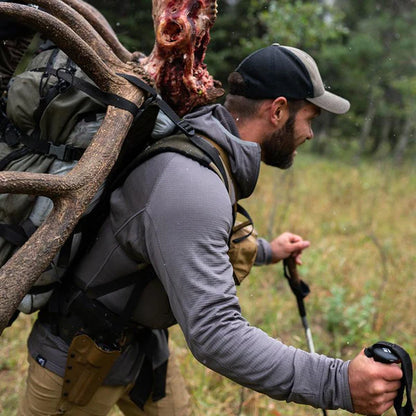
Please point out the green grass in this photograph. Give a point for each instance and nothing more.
(360, 220)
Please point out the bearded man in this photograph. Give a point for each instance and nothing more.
(175, 216)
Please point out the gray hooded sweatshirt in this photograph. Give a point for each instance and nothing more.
(176, 215)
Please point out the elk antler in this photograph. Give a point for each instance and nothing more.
(86, 37)
(70, 193)
(98, 21)
(80, 26)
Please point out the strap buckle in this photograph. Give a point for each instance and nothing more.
(65, 152)
(57, 151)
(185, 127)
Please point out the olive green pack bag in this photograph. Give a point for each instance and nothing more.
(45, 126)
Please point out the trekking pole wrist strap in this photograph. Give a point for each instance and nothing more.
(382, 351)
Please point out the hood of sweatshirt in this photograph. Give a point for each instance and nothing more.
(215, 122)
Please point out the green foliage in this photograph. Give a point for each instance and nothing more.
(360, 268)
(304, 24)
(373, 65)
(236, 22)
(365, 51)
(132, 22)
(349, 321)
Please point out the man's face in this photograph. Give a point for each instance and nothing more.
(279, 149)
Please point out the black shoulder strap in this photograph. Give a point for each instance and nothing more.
(87, 302)
(104, 97)
(181, 124)
(185, 142)
(176, 143)
(194, 147)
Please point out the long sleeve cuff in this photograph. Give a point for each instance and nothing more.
(264, 252)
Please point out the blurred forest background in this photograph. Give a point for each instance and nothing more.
(351, 192)
(366, 51)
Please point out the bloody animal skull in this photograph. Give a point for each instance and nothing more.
(176, 61)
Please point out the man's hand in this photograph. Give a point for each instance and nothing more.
(288, 244)
(373, 385)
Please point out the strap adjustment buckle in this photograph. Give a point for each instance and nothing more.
(65, 152)
(185, 127)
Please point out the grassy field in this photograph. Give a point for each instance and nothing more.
(360, 220)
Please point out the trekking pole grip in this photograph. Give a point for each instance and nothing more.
(290, 263)
(388, 353)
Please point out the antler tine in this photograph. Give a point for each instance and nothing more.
(79, 25)
(54, 185)
(14, 182)
(20, 272)
(101, 153)
(101, 25)
(72, 44)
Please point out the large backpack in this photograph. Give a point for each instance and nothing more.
(49, 115)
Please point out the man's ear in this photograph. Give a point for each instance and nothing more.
(279, 111)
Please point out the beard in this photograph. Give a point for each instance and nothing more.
(278, 149)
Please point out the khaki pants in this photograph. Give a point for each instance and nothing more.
(43, 397)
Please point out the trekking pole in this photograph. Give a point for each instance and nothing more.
(300, 289)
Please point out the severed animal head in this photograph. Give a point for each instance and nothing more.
(176, 63)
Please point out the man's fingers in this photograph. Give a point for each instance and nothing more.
(393, 386)
(395, 373)
(389, 397)
(300, 245)
(373, 385)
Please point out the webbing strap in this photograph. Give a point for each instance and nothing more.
(64, 152)
(213, 153)
(46, 96)
(249, 221)
(163, 105)
(14, 234)
(406, 364)
(12, 136)
(36, 290)
(16, 154)
(104, 97)
(97, 316)
(230, 178)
